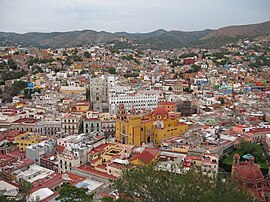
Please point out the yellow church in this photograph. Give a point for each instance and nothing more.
(134, 129)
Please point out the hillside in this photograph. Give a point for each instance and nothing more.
(241, 31)
(58, 39)
(159, 39)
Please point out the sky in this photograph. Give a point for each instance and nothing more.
(133, 16)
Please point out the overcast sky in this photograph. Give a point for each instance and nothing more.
(128, 15)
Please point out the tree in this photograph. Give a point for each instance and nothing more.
(17, 87)
(112, 70)
(12, 64)
(188, 90)
(32, 61)
(83, 71)
(25, 187)
(69, 193)
(253, 149)
(222, 101)
(147, 184)
(37, 69)
(86, 54)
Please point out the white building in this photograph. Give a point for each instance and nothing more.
(99, 92)
(32, 174)
(138, 101)
(76, 150)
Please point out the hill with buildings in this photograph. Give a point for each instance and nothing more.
(159, 39)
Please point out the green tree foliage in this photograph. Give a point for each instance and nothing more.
(3, 65)
(32, 61)
(194, 68)
(188, 90)
(115, 51)
(149, 185)
(36, 69)
(17, 87)
(131, 75)
(188, 55)
(222, 101)
(247, 148)
(129, 57)
(86, 54)
(12, 64)
(83, 71)
(28, 92)
(25, 187)
(12, 75)
(112, 70)
(253, 149)
(76, 58)
(44, 61)
(65, 53)
(69, 193)
(68, 61)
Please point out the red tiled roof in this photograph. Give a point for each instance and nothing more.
(25, 120)
(99, 148)
(17, 153)
(152, 151)
(103, 195)
(92, 170)
(197, 158)
(258, 130)
(160, 111)
(116, 165)
(56, 179)
(147, 155)
(182, 124)
(101, 167)
(60, 148)
(166, 103)
(96, 160)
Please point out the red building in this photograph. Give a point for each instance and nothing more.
(250, 177)
(189, 61)
(49, 162)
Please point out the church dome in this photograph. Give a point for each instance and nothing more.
(250, 172)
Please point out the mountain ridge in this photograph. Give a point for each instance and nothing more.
(158, 39)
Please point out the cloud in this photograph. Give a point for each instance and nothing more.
(128, 15)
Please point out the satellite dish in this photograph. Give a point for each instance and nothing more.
(52, 158)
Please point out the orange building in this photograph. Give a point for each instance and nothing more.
(168, 106)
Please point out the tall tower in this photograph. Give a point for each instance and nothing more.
(122, 114)
(235, 164)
